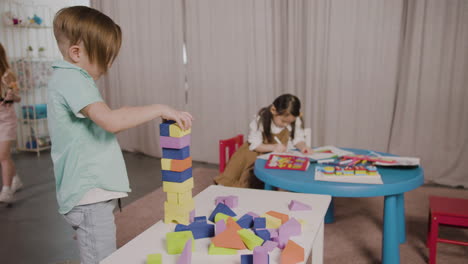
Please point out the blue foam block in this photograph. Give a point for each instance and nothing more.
(178, 154)
(246, 221)
(200, 219)
(164, 128)
(181, 227)
(259, 222)
(174, 176)
(263, 233)
(221, 208)
(247, 259)
(202, 230)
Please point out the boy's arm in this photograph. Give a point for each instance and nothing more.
(124, 118)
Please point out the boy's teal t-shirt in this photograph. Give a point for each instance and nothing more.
(85, 156)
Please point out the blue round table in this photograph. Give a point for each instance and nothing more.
(396, 181)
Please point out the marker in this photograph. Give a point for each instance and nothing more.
(277, 140)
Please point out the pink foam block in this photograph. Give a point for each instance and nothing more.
(273, 232)
(220, 226)
(186, 256)
(270, 245)
(282, 240)
(174, 142)
(295, 205)
(231, 201)
(292, 228)
(260, 255)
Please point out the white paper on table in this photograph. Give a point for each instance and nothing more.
(368, 179)
(316, 156)
(335, 150)
(400, 161)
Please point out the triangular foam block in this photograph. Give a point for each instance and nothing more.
(228, 239)
(292, 253)
(186, 256)
(295, 205)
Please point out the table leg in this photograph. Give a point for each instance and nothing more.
(317, 247)
(330, 216)
(268, 187)
(390, 237)
(401, 218)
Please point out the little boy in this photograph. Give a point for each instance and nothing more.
(89, 168)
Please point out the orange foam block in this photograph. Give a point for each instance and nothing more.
(284, 217)
(228, 239)
(292, 253)
(231, 224)
(176, 165)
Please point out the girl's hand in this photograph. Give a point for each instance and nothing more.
(183, 119)
(279, 148)
(307, 150)
(9, 98)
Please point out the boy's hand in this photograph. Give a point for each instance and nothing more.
(183, 119)
(279, 148)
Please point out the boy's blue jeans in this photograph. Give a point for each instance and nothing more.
(95, 230)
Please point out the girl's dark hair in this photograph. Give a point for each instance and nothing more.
(284, 104)
(4, 66)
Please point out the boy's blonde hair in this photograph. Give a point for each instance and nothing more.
(101, 37)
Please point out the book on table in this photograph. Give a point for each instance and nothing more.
(287, 162)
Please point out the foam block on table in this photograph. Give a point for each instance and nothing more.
(292, 253)
(174, 176)
(246, 221)
(259, 222)
(284, 217)
(200, 219)
(221, 216)
(247, 259)
(292, 227)
(214, 250)
(186, 256)
(202, 230)
(164, 128)
(176, 241)
(154, 259)
(220, 226)
(260, 255)
(250, 239)
(270, 245)
(178, 187)
(231, 201)
(221, 208)
(272, 222)
(295, 205)
(178, 154)
(231, 223)
(273, 232)
(176, 165)
(229, 238)
(180, 219)
(263, 234)
(254, 215)
(174, 142)
(179, 209)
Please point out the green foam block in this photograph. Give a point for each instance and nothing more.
(154, 259)
(250, 239)
(176, 241)
(214, 250)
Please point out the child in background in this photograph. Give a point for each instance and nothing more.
(8, 96)
(89, 168)
(277, 128)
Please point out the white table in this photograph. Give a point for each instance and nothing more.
(258, 201)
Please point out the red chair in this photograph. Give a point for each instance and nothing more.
(227, 147)
(445, 211)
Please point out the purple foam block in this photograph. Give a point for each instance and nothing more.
(270, 245)
(295, 205)
(232, 201)
(254, 215)
(192, 216)
(220, 226)
(291, 228)
(260, 255)
(273, 232)
(174, 142)
(186, 256)
(282, 240)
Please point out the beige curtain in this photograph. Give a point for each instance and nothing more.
(233, 62)
(149, 68)
(431, 118)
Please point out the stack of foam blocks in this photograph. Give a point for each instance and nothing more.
(177, 178)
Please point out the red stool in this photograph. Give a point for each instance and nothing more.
(445, 211)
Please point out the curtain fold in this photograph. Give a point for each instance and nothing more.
(431, 115)
(232, 65)
(149, 68)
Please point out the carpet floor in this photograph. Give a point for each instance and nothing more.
(355, 237)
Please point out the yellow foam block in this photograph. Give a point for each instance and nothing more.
(179, 198)
(179, 209)
(176, 131)
(166, 164)
(180, 219)
(272, 222)
(178, 187)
